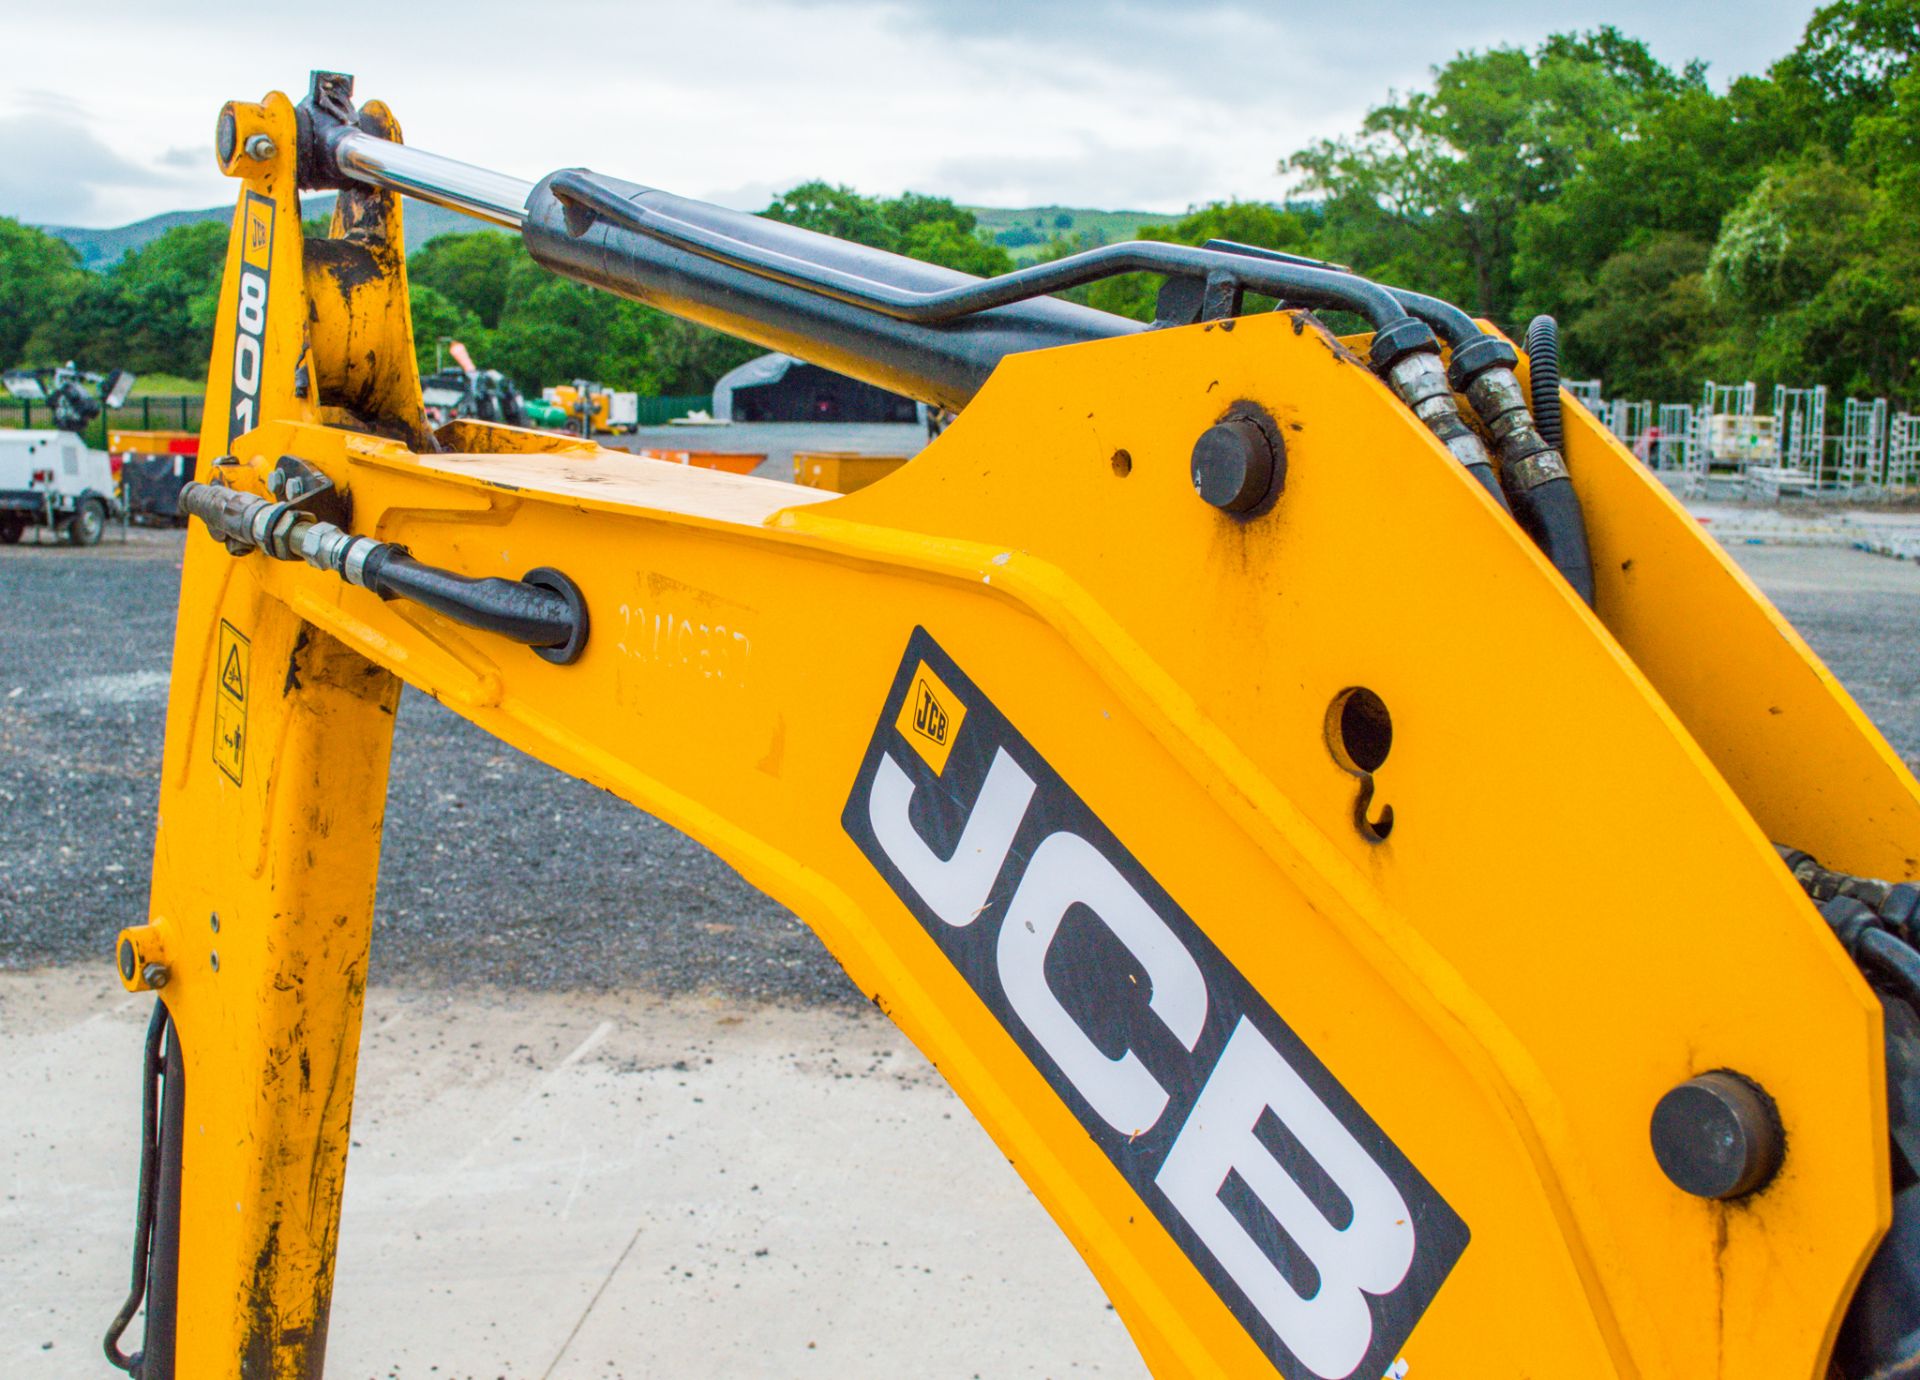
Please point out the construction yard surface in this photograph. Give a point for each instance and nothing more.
(619, 1115)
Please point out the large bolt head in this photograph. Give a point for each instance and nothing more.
(1234, 465)
(1718, 1136)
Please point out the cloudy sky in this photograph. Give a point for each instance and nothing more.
(1143, 104)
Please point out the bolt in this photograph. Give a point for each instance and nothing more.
(215, 956)
(1234, 465)
(127, 959)
(154, 975)
(1718, 1135)
(261, 148)
(225, 135)
(215, 922)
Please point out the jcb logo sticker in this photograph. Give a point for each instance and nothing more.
(1321, 1237)
(930, 717)
(250, 316)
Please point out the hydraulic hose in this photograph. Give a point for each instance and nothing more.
(919, 329)
(544, 610)
(740, 241)
(1532, 472)
(1543, 359)
(152, 1072)
(915, 328)
(1459, 438)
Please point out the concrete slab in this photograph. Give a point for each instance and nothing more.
(567, 1187)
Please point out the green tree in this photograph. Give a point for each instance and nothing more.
(1818, 273)
(1245, 222)
(1648, 318)
(929, 228)
(39, 278)
(469, 270)
(436, 317)
(1435, 185)
(152, 312)
(1847, 64)
(945, 243)
(685, 358)
(837, 211)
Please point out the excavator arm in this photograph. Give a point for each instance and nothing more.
(1375, 957)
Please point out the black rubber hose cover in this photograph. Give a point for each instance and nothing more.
(536, 615)
(1543, 379)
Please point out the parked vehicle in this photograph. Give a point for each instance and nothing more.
(52, 478)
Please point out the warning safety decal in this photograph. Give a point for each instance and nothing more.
(232, 675)
(1315, 1230)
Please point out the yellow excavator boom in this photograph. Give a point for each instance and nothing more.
(1369, 953)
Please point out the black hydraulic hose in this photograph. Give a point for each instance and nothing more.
(513, 609)
(1551, 514)
(1543, 382)
(1892, 960)
(1878, 950)
(152, 1067)
(1550, 509)
(589, 197)
(1533, 470)
(1458, 328)
(544, 609)
(1453, 324)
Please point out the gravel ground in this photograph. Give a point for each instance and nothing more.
(81, 719)
(84, 645)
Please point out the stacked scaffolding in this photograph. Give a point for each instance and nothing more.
(1586, 392)
(1727, 440)
(1863, 443)
(1630, 422)
(1675, 444)
(1903, 453)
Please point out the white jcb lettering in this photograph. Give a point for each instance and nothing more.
(246, 364)
(1066, 871)
(1331, 1329)
(955, 888)
(253, 303)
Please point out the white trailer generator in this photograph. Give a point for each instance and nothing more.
(53, 478)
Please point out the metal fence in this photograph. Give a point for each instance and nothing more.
(183, 414)
(660, 411)
(139, 414)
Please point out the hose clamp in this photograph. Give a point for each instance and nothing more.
(1539, 468)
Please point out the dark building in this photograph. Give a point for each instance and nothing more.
(780, 388)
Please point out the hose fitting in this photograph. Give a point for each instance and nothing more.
(544, 611)
(1422, 385)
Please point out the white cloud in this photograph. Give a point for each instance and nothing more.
(1107, 102)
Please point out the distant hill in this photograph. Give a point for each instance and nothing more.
(104, 248)
(1023, 232)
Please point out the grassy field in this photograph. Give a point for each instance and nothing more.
(1024, 232)
(168, 386)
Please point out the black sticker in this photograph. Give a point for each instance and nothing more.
(1295, 1206)
(250, 315)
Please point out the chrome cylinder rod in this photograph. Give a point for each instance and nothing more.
(477, 192)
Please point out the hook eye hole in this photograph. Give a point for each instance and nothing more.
(1359, 730)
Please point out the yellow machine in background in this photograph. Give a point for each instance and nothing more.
(609, 411)
(842, 471)
(1374, 955)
